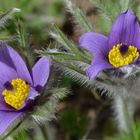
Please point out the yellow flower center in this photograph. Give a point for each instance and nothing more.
(119, 58)
(16, 96)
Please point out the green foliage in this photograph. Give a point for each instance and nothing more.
(124, 4)
(4, 18)
(21, 4)
(79, 16)
(47, 111)
(73, 59)
(7, 15)
(55, 8)
(21, 134)
(108, 9)
(74, 121)
(69, 45)
(35, 15)
(133, 135)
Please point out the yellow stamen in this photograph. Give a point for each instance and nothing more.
(17, 96)
(117, 59)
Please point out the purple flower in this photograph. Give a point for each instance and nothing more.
(120, 49)
(18, 87)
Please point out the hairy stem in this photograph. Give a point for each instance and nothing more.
(124, 109)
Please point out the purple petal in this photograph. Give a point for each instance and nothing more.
(98, 64)
(10, 57)
(7, 119)
(4, 106)
(33, 93)
(6, 74)
(30, 101)
(40, 71)
(125, 30)
(94, 43)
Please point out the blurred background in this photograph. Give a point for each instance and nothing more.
(84, 113)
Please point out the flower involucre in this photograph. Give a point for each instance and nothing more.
(15, 97)
(121, 55)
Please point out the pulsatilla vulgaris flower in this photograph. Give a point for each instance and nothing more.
(18, 87)
(121, 48)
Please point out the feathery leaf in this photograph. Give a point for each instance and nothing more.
(48, 110)
(6, 16)
(79, 16)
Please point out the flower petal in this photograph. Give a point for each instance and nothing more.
(10, 57)
(6, 74)
(40, 72)
(98, 64)
(30, 101)
(125, 30)
(7, 119)
(5, 107)
(94, 43)
(33, 93)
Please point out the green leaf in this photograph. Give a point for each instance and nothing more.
(79, 16)
(48, 110)
(74, 121)
(69, 45)
(108, 9)
(124, 4)
(7, 15)
(78, 77)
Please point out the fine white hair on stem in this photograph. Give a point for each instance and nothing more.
(7, 15)
(124, 91)
(69, 6)
(123, 112)
(79, 16)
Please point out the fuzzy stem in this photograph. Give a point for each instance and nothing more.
(124, 112)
